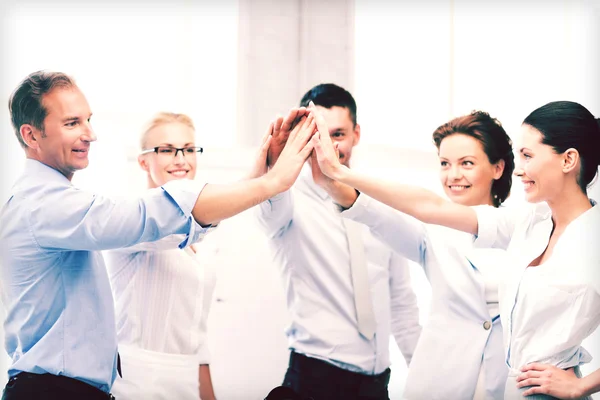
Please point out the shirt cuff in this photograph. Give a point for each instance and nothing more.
(486, 226)
(204, 355)
(185, 193)
(360, 208)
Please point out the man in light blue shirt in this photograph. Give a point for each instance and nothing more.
(60, 327)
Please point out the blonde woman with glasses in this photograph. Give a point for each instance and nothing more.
(163, 293)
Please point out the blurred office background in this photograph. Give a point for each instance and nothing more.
(233, 65)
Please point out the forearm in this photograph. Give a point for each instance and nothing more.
(218, 202)
(420, 203)
(342, 194)
(590, 384)
(206, 387)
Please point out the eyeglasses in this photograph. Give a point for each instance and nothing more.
(172, 151)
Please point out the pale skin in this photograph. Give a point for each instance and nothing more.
(548, 177)
(343, 132)
(65, 139)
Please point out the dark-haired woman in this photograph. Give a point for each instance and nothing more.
(551, 300)
(459, 354)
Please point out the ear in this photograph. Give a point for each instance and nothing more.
(356, 135)
(570, 160)
(499, 169)
(143, 162)
(28, 134)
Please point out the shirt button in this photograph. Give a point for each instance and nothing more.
(487, 325)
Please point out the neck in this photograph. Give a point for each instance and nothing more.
(567, 206)
(151, 184)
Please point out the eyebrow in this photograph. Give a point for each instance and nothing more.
(462, 158)
(74, 118)
(522, 149)
(172, 145)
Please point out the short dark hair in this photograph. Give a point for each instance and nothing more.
(330, 95)
(565, 125)
(25, 103)
(495, 141)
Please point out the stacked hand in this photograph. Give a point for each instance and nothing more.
(327, 155)
(290, 160)
(274, 141)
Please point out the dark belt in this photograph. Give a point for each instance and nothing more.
(300, 362)
(67, 386)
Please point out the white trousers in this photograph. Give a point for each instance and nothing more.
(149, 375)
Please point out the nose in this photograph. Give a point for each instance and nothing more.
(518, 171)
(455, 173)
(179, 157)
(89, 135)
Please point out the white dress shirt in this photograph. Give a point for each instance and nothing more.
(463, 334)
(547, 310)
(310, 245)
(162, 297)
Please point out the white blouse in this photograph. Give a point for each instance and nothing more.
(463, 335)
(162, 297)
(547, 310)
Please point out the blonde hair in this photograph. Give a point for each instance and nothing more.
(163, 118)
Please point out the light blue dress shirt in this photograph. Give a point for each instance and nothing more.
(53, 282)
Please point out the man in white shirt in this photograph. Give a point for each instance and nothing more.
(346, 292)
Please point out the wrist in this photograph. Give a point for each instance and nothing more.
(583, 389)
(338, 173)
(271, 184)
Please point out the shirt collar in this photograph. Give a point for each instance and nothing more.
(39, 171)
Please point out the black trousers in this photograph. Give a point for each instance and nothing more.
(27, 386)
(319, 380)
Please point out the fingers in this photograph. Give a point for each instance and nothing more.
(265, 146)
(529, 374)
(530, 382)
(532, 391)
(277, 126)
(306, 151)
(533, 366)
(293, 118)
(268, 133)
(296, 129)
(308, 129)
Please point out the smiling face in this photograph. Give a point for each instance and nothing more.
(164, 167)
(64, 142)
(540, 167)
(465, 170)
(341, 130)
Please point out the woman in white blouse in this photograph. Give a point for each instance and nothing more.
(162, 293)
(459, 354)
(551, 303)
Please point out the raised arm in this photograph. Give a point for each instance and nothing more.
(275, 214)
(402, 233)
(420, 203)
(218, 202)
